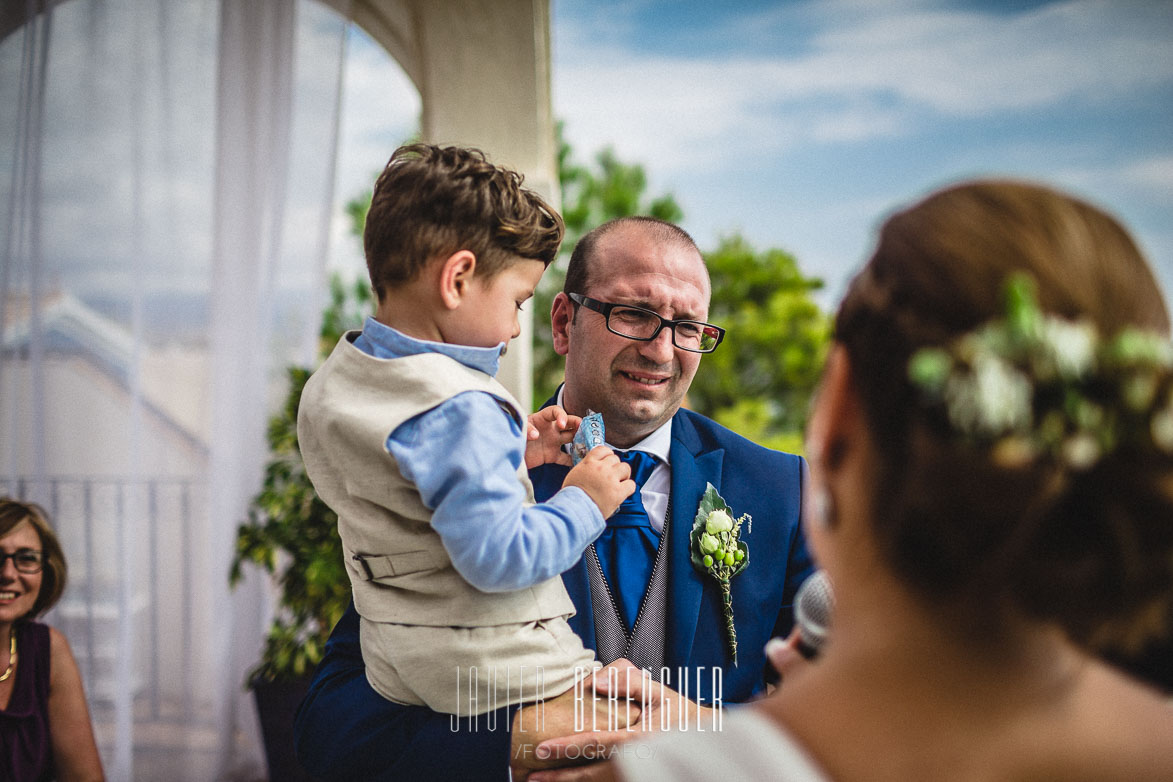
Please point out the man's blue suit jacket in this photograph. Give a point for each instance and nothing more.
(345, 730)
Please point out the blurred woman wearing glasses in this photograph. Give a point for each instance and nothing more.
(45, 730)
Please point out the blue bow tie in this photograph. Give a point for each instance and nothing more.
(627, 548)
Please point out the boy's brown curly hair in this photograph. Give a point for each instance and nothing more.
(433, 201)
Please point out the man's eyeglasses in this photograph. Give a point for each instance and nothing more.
(644, 325)
(26, 560)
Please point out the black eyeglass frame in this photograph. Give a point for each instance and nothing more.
(38, 560)
(604, 308)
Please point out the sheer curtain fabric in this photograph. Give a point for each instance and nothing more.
(166, 171)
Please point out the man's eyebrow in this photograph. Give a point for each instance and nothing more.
(648, 306)
(624, 301)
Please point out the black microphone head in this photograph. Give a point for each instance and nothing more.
(812, 613)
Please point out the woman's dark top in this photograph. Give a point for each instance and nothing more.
(25, 750)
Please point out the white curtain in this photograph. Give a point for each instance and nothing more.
(166, 171)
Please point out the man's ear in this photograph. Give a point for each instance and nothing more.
(456, 272)
(561, 314)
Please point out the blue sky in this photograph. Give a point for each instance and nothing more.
(800, 124)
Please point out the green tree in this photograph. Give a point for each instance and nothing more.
(590, 196)
(760, 380)
(613, 189)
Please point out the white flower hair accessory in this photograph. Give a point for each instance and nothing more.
(1031, 385)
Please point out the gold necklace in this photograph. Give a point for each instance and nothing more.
(11, 653)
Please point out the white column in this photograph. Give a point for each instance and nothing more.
(483, 72)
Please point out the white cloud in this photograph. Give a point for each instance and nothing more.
(866, 75)
(1153, 173)
(390, 103)
(1145, 180)
(668, 113)
(857, 123)
(973, 63)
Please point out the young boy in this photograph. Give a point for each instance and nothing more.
(423, 454)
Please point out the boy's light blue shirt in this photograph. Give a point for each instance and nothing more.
(463, 456)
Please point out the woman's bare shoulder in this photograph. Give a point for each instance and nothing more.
(58, 644)
(62, 665)
(1122, 728)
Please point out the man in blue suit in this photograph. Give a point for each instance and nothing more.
(631, 323)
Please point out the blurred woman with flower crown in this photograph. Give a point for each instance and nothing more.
(45, 730)
(991, 496)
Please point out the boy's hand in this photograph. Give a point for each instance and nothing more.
(604, 478)
(547, 431)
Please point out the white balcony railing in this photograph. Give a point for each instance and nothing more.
(132, 550)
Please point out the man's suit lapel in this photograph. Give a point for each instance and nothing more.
(691, 471)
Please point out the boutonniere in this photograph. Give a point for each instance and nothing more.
(717, 550)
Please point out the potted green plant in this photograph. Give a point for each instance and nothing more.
(293, 536)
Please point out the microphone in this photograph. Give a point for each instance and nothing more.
(812, 617)
(812, 613)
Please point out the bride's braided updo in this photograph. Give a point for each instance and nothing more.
(1089, 549)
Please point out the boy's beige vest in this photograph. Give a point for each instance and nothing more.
(398, 568)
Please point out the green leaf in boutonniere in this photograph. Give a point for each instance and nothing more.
(716, 550)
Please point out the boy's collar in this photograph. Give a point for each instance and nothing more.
(394, 341)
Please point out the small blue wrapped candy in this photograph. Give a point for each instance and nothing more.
(589, 434)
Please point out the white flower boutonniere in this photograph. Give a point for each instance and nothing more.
(717, 550)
